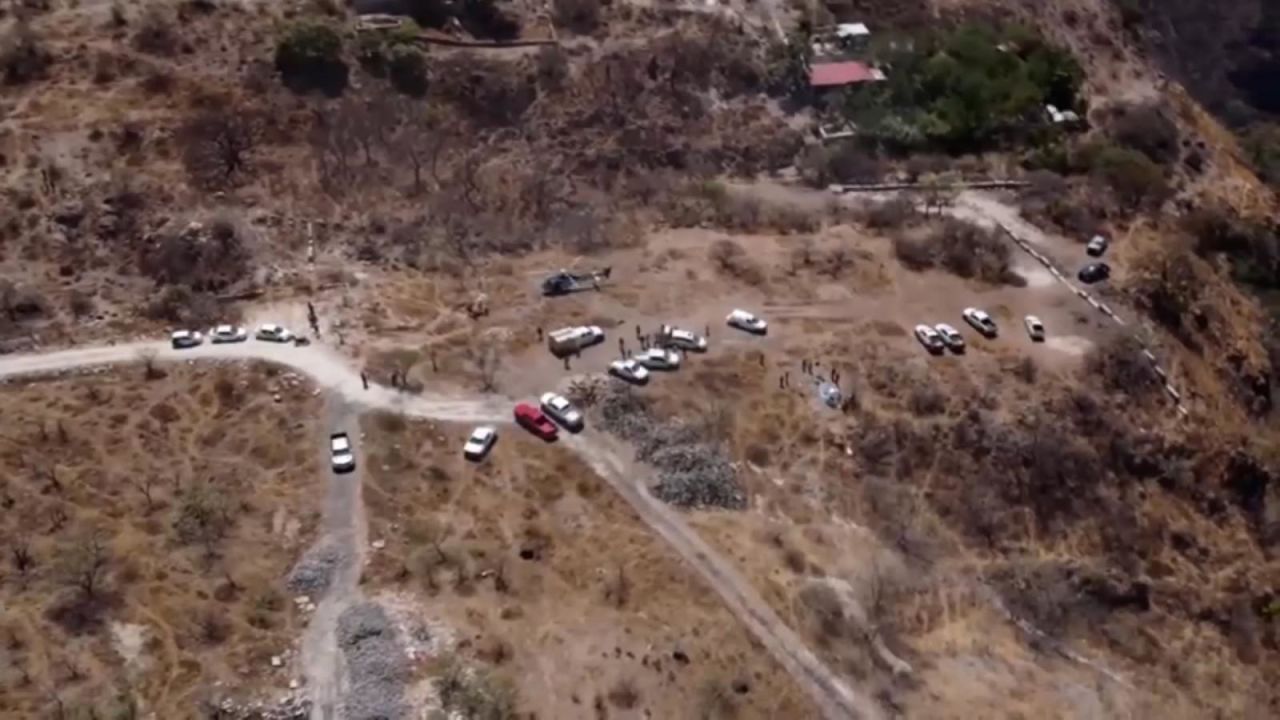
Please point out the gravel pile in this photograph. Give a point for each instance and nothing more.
(376, 665)
(314, 572)
(691, 473)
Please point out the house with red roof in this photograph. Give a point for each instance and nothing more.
(829, 75)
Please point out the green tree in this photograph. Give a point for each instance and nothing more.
(309, 56)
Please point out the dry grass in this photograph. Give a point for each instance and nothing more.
(547, 578)
(186, 499)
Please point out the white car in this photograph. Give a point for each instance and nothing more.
(683, 339)
(950, 336)
(228, 334)
(1035, 328)
(185, 339)
(659, 359)
(629, 370)
(980, 321)
(480, 443)
(274, 333)
(341, 455)
(1097, 246)
(744, 320)
(930, 339)
(558, 408)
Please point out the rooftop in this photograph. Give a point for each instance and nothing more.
(835, 74)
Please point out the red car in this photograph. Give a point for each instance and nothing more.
(531, 418)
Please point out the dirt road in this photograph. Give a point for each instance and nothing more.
(345, 532)
(344, 516)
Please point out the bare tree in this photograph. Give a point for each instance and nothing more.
(23, 559)
(219, 143)
(486, 362)
(145, 484)
(85, 562)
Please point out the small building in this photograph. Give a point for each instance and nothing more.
(825, 76)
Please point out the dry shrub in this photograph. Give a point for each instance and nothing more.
(156, 33)
(970, 251)
(581, 16)
(895, 213)
(1149, 129)
(1121, 366)
(914, 253)
(23, 57)
(203, 259)
(730, 259)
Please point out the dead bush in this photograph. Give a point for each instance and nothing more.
(914, 253)
(927, 400)
(218, 144)
(181, 305)
(730, 259)
(892, 214)
(23, 56)
(1121, 366)
(490, 92)
(973, 252)
(203, 259)
(156, 33)
(1149, 129)
(580, 16)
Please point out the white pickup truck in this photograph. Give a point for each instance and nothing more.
(567, 341)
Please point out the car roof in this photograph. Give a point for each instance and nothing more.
(944, 326)
(483, 431)
(181, 333)
(1033, 318)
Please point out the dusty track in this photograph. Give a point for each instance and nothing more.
(344, 517)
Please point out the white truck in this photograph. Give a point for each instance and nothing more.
(567, 341)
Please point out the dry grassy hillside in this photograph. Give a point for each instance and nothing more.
(147, 527)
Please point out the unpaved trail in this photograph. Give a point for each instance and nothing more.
(345, 530)
(345, 524)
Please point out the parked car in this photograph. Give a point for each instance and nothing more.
(185, 339)
(228, 334)
(950, 337)
(683, 339)
(980, 321)
(273, 333)
(1097, 246)
(930, 339)
(561, 410)
(1035, 328)
(480, 443)
(630, 370)
(659, 359)
(531, 418)
(1094, 272)
(340, 453)
(744, 320)
(567, 341)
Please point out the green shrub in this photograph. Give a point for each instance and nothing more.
(309, 55)
(1131, 175)
(407, 69)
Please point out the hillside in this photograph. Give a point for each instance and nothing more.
(874, 504)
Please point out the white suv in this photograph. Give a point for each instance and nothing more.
(744, 320)
(228, 334)
(480, 443)
(185, 339)
(341, 455)
(274, 333)
(980, 321)
(558, 408)
(683, 339)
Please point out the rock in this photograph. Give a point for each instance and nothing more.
(276, 661)
(379, 544)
